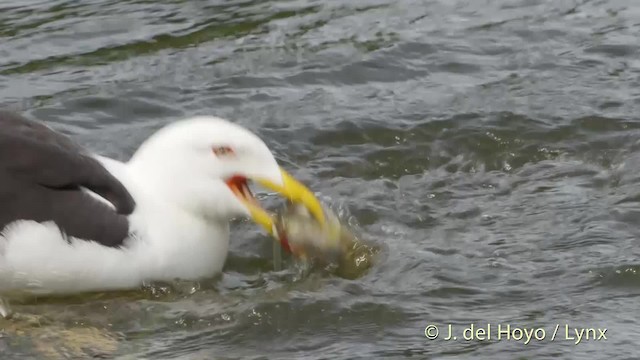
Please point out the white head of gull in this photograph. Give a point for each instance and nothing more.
(188, 180)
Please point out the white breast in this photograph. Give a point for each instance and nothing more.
(168, 244)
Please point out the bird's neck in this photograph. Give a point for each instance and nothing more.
(177, 242)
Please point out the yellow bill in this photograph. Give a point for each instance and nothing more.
(291, 189)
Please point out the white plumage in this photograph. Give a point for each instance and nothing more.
(180, 224)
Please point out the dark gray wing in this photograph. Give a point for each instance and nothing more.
(42, 174)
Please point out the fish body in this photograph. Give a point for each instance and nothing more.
(330, 244)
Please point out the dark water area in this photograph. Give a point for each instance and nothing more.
(491, 146)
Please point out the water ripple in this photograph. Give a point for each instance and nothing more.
(490, 148)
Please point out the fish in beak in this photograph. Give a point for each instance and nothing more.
(291, 189)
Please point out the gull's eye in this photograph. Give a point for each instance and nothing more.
(223, 151)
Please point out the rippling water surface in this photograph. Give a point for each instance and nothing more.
(491, 146)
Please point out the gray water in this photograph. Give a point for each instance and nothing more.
(491, 147)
